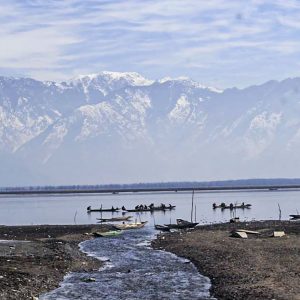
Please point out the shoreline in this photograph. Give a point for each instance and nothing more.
(259, 267)
(34, 259)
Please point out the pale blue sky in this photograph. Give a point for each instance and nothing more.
(222, 43)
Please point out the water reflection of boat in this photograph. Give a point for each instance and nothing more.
(130, 225)
(89, 209)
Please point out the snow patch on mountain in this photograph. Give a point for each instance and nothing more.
(181, 111)
(261, 132)
(54, 140)
(189, 82)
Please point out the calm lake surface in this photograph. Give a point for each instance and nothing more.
(71, 209)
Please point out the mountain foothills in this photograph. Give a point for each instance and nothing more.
(121, 127)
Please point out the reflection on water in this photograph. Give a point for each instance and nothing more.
(135, 271)
(70, 209)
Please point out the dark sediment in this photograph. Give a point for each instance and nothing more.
(259, 267)
(30, 268)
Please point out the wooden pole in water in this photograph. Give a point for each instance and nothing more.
(279, 212)
(192, 206)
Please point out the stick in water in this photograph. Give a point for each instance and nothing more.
(192, 206)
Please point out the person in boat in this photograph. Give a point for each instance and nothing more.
(88, 208)
(151, 205)
(214, 205)
(112, 208)
(141, 207)
(170, 206)
(243, 204)
(145, 206)
(231, 206)
(163, 206)
(123, 207)
(223, 205)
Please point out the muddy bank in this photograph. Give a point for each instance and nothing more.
(34, 259)
(259, 267)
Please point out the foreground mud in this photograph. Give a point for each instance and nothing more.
(34, 259)
(260, 267)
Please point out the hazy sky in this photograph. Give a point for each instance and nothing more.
(217, 42)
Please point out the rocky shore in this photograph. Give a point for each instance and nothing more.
(34, 259)
(260, 267)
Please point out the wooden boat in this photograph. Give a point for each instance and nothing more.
(138, 210)
(89, 209)
(241, 206)
(182, 224)
(180, 221)
(295, 217)
(107, 233)
(234, 220)
(130, 225)
(155, 208)
(168, 207)
(116, 219)
(161, 228)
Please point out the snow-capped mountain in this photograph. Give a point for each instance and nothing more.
(122, 127)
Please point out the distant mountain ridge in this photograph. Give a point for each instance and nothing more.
(122, 127)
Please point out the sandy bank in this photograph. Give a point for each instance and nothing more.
(30, 268)
(256, 268)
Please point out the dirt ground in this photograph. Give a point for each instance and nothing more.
(34, 259)
(260, 267)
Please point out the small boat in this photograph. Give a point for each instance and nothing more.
(180, 221)
(138, 210)
(107, 233)
(182, 224)
(116, 219)
(150, 208)
(89, 209)
(234, 220)
(130, 225)
(167, 207)
(161, 228)
(224, 206)
(295, 217)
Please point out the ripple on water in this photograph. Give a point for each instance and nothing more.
(134, 271)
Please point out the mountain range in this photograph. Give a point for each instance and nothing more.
(115, 127)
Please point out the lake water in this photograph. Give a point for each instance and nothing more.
(71, 209)
(134, 270)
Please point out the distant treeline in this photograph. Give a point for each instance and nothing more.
(170, 185)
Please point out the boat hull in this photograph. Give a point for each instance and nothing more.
(130, 226)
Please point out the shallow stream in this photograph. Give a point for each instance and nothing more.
(133, 270)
